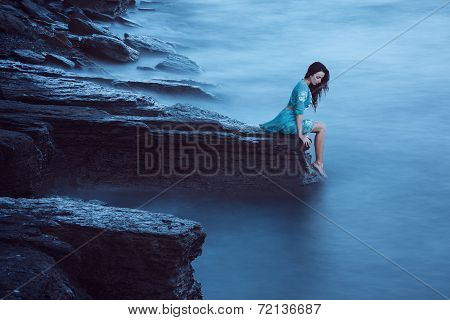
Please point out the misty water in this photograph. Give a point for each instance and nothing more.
(379, 228)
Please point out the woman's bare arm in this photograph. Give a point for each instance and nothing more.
(304, 138)
(299, 119)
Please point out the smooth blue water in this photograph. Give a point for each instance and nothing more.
(387, 150)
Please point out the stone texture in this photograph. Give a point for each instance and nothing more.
(111, 7)
(83, 27)
(178, 64)
(28, 56)
(59, 60)
(46, 85)
(149, 44)
(102, 252)
(108, 48)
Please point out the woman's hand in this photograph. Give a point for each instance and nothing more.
(306, 140)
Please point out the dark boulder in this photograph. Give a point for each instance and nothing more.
(149, 44)
(28, 56)
(26, 273)
(82, 27)
(95, 15)
(36, 11)
(121, 253)
(178, 64)
(74, 12)
(57, 39)
(111, 7)
(59, 60)
(108, 48)
(24, 160)
(12, 24)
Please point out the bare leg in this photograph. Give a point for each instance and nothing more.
(320, 130)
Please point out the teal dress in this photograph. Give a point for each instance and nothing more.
(285, 121)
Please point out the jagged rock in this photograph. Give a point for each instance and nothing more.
(64, 18)
(81, 27)
(144, 68)
(144, 255)
(58, 39)
(19, 265)
(178, 64)
(95, 15)
(78, 13)
(127, 22)
(74, 39)
(109, 48)
(46, 85)
(12, 24)
(167, 87)
(28, 56)
(149, 44)
(146, 9)
(6, 8)
(112, 8)
(100, 148)
(97, 148)
(59, 60)
(59, 26)
(24, 160)
(36, 11)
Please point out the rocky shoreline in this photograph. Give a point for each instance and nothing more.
(60, 127)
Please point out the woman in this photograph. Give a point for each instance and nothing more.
(290, 120)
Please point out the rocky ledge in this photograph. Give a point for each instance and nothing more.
(61, 248)
(66, 130)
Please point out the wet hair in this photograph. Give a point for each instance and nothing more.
(322, 87)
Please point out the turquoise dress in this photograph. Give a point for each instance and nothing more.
(285, 121)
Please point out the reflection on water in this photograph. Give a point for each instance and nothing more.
(387, 149)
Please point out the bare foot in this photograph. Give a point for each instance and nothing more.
(319, 168)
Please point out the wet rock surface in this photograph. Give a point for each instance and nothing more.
(149, 44)
(64, 249)
(178, 64)
(109, 48)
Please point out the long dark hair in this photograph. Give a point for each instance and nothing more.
(321, 88)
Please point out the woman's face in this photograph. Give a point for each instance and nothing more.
(316, 78)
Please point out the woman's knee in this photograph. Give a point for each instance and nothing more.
(320, 127)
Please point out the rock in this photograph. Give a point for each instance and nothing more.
(95, 15)
(36, 11)
(74, 39)
(59, 60)
(57, 39)
(144, 68)
(78, 13)
(46, 85)
(112, 8)
(11, 24)
(127, 22)
(29, 274)
(146, 9)
(28, 56)
(109, 148)
(144, 255)
(81, 27)
(60, 26)
(24, 160)
(9, 9)
(149, 44)
(178, 64)
(109, 48)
